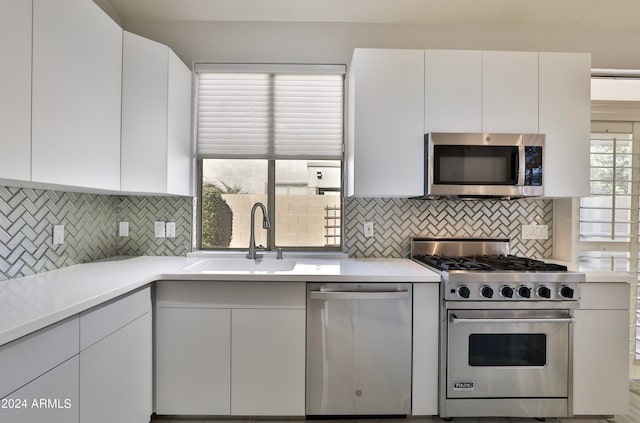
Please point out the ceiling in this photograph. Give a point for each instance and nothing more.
(579, 14)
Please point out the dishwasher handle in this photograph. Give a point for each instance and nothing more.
(402, 294)
(457, 320)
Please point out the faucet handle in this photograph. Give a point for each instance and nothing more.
(279, 254)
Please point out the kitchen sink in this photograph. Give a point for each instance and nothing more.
(241, 265)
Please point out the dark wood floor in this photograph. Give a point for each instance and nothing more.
(632, 417)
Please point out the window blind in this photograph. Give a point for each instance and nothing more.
(270, 115)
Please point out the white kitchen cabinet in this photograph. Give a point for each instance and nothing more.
(40, 375)
(424, 401)
(510, 92)
(15, 86)
(385, 140)
(230, 348)
(116, 360)
(116, 376)
(156, 119)
(31, 356)
(193, 361)
(267, 362)
(52, 397)
(453, 91)
(76, 95)
(601, 350)
(565, 119)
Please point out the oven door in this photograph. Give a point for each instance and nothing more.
(508, 353)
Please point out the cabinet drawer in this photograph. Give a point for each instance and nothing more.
(231, 294)
(23, 360)
(100, 322)
(604, 296)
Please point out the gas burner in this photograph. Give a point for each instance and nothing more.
(489, 263)
(453, 263)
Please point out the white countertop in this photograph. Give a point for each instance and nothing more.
(33, 302)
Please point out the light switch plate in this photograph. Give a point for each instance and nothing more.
(158, 229)
(58, 234)
(368, 229)
(170, 228)
(123, 229)
(535, 232)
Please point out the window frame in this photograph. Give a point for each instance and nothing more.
(271, 161)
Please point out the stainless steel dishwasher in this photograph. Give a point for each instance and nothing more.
(358, 349)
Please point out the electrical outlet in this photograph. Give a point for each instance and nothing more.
(535, 232)
(123, 229)
(58, 234)
(368, 229)
(170, 228)
(159, 229)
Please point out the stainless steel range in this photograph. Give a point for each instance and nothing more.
(506, 334)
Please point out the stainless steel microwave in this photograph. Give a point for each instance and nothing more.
(483, 165)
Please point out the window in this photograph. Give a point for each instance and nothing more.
(270, 134)
(608, 218)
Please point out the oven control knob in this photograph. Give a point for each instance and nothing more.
(506, 291)
(524, 291)
(486, 292)
(566, 292)
(463, 291)
(543, 292)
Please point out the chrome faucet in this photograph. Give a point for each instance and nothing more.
(266, 224)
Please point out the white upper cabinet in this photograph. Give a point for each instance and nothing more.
(15, 86)
(453, 91)
(385, 140)
(510, 92)
(156, 119)
(77, 73)
(565, 113)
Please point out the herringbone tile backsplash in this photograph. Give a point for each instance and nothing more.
(396, 220)
(27, 217)
(91, 221)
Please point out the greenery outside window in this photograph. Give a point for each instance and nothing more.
(270, 134)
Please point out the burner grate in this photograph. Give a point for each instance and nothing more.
(489, 263)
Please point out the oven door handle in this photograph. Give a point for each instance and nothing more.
(456, 320)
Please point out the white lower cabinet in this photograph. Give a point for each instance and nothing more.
(268, 362)
(116, 377)
(193, 357)
(601, 350)
(116, 361)
(230, 348)
(424, 401)
(52, 397)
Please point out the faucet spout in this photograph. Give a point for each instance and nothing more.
(266, 224)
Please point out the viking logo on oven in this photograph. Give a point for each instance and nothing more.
(463, 386)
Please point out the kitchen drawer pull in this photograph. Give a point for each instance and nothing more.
(359, 295)
(456, 320)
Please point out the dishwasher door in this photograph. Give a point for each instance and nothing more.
(358, 349)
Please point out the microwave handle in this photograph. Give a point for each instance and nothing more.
(520, 166)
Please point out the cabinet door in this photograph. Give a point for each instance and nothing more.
(116, 376)
(509, 92)
(453, 91)
(601, 362)
(77, 73)
(51, 398)
(425, 349)
(179, 128)
(193, 356)
(15, 86)
(268, 362)
(144, 115)
(387, 123)
(565, 119)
